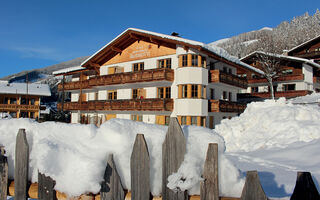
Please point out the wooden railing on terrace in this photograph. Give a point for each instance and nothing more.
(15, 107)
(121, 78)
(278, 94)
(307, 55)
(226, 106)
(121, 105)
(216, 76)
(291, 77)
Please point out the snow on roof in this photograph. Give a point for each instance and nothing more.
(21, 88)
(66, 70)
(303, 60)
(296, 47)
(216, 50)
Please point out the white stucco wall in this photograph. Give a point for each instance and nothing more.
(193, 107)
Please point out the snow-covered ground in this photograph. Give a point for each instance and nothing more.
(277, 138)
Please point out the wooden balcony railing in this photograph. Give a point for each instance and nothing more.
(278, 94)
(308, 55)
(121, 78)
(121, 105)
(216, 76)
(15, 107)
(291, 77)
(226, 106)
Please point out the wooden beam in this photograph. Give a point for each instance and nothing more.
(116, 49)
(134, 36)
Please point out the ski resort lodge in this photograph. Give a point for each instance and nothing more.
(147, 76)
(22, 100)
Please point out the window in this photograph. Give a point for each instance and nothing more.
(289, 87)
(137, 118)
(194, 91)
(112, 94)
(32, 101)
(254, 89)
(23, 114)
(211, 93)
(96, 95)
(13, 100)
(183, 120)
(164, 63)
(230, 71)
(202, 121)
(24, 101)
(230, 96)
(138, 93)
(203, 62)
(164, 92)
(6, 100)
(194, 120)
(212, 66)
(134, 93)
(224, 95)
(32, 115)
(194, 60)
(167, 120)
(225, 69)
(184, 91)
(184, 60)
(13, 114)
(288, 71)
(138, 67)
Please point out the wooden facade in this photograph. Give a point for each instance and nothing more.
(25, 106)
(216, 76)
(309, 50)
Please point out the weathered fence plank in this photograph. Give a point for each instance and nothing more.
(140, 170)
(305, 188)
(111, 187)
(3, 174)
(21, 166)
(45, 188)
(173, 151)
(210, 185)
(252, 189)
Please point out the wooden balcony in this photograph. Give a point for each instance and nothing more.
(310, 54)
(291, 77)
(15, 107)
(121, 105)
(216, 76)
(226, 106)
(278, 94)
(121, 78)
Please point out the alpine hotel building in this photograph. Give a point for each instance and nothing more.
(147, 76)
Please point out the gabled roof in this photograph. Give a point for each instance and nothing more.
(289, 58)
(24, 88)
(304, 44)
(131, 35)
(67, 70)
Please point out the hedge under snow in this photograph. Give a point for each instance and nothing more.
(75, 155)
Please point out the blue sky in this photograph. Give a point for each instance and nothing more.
(39, 33)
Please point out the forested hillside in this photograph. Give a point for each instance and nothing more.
(284, 37)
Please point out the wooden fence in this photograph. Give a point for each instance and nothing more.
(173, 151)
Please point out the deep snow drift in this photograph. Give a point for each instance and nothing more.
(270, 124)
(277, 138)
(75, 155)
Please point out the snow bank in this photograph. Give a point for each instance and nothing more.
(75, 155)
(311, 98)
(270, 124)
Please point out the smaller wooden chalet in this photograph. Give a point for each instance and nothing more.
(298, 77)
(22, 100)
(309, 50)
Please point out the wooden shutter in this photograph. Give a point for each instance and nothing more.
(111, 70)
(180, 61)
(110, 116)
(199, 91)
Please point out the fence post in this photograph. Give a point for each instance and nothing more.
(305, 188)
(252, 189)
(173, 150)
(111, 187)
(21, 166)
(3, 174)
(45, 187)
(210, 185)
(140, 170)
